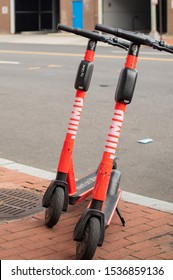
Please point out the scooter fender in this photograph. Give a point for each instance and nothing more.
(114, 182)
(50, 190)
(80, 226)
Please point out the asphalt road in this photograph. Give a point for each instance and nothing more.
(36, 96)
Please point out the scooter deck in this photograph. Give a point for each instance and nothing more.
(110, 206)
(84, 188)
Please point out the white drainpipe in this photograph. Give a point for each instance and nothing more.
(12, 16)
(100, 11)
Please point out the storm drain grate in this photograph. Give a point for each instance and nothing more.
(16, 204)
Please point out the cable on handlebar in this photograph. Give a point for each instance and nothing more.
(135, 37)
(83, 32)
(93, 35)
(163, 44)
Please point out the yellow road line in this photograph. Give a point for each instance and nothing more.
(35, 68)
(54, 66)
(39, 53)
(9, 62)
(80, 55)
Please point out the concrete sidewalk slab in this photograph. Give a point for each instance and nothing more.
(148, 233)
(55, 38)
(45, 39)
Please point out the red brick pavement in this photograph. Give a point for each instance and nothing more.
(148, 233)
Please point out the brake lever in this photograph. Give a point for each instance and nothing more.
(167, 50)
(114, 42)
(161, 46)
(157, 46)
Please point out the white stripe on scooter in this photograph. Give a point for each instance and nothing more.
(127, 196)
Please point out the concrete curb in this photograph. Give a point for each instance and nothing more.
(126, 196)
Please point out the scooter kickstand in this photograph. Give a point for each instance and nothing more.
(121, 217)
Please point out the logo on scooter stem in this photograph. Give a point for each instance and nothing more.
(114, 133)
(75, 117)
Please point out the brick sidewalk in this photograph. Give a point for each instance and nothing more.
(148, 233)
(168, 40)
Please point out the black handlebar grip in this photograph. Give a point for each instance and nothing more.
(166, 48)
(137, 38)
(65, 28)
(83, 32)
(170, 47)
(105, 28)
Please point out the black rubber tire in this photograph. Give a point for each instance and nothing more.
(85, 249)
(53, 212)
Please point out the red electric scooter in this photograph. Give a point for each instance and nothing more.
(64, 190)
(89, 231)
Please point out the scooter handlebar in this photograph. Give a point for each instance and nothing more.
(83, 32)
(93, 35)
(135, 37)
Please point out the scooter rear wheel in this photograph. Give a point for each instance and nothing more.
(85, 249)
(53, 212)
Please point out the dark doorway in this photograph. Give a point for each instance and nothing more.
(37, 15)
(161, 10)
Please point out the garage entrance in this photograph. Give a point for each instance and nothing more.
(36, 15)
(134, 14)
(131, 14)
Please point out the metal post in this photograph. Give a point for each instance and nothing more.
(154, 34)
(39, 15)
(100, 11)
(54, 11)
(160, 19)
(12, 16)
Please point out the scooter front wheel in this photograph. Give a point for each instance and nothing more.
(53, 212)
(85, 249)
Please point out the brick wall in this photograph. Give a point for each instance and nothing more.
(90, 13)
(170, 17)
(66, 12)
(5, 16)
